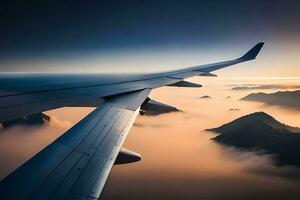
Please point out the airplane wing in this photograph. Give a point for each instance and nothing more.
(77, 164)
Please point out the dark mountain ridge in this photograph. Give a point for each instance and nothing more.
(260, 131)
(32, 120)
(282, 98)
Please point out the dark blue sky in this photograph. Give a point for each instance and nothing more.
(41, 30)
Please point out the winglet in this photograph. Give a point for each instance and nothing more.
(252, 53)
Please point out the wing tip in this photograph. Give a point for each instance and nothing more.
(253, 52)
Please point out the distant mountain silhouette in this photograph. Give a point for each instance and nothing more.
(260, 131)
(233, 109)
(286, 98)
(264, 87)
(205, 97)
(31, 120)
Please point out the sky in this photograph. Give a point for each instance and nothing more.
(144, 36)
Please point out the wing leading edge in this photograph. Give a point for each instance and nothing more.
(27, 94)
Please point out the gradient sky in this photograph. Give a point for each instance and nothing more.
(141, 36)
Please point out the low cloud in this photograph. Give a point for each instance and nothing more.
(262, 164)
(186, 171)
